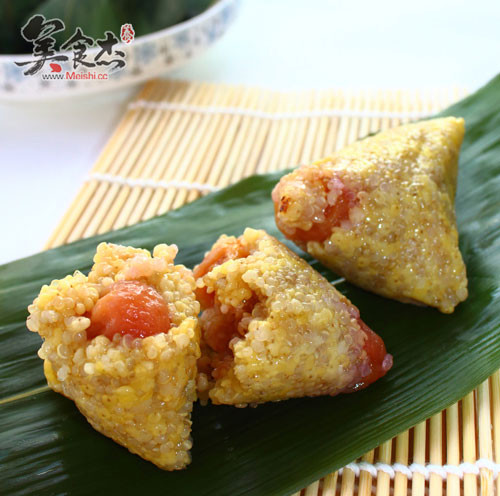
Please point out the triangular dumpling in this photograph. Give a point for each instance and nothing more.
(273, 328)
(381, 213)
(135, 385)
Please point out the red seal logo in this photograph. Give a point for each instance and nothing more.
(127, 33)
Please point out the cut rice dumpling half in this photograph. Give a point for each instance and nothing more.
(381, 213)
(273, 328)
(123, 343)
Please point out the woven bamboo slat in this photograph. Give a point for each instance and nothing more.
(179, 140)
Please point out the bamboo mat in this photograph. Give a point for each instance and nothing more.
(180, 140)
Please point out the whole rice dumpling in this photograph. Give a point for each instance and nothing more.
(381, 213)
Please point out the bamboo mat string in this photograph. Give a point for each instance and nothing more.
(277, 147)
(246, 135)
(105, 194)
(400, 484)
(252, 148)
(227, 136)
(176, 143)
(293, 136)
(318, 101)
(303, 131)
(485, 441)
(72, 215)
(340, 139)
(158, 160)
(452, 448)
(278, 103)
(436, 453)
(383, 478)
(419, 432)
(182, 139)
(200, 151)
(204, 144)
(222, 142)
(365, 477)
(197, 134)
(419, 444)
(140, 165)
(148, 163)
(401, 479)
(332, 138)
(469, 441)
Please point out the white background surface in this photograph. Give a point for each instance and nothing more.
(47, 148)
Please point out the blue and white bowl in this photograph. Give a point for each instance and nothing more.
(146, 57)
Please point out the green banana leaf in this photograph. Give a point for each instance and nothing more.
(47, 447)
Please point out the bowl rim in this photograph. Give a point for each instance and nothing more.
(211, 11)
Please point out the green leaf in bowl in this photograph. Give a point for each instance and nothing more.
(95, 17)
(47, 447)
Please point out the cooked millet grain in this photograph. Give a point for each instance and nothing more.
(397, 236)
(139, 392)
(295, 334)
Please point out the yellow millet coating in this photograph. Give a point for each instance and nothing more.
(302, 337)
(401, 239)
(139, 392)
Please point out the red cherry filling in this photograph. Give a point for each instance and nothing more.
(129, 307)
(342, 199)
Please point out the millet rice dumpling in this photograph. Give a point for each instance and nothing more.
(381, 213)
(123, 343)
(273, 328)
